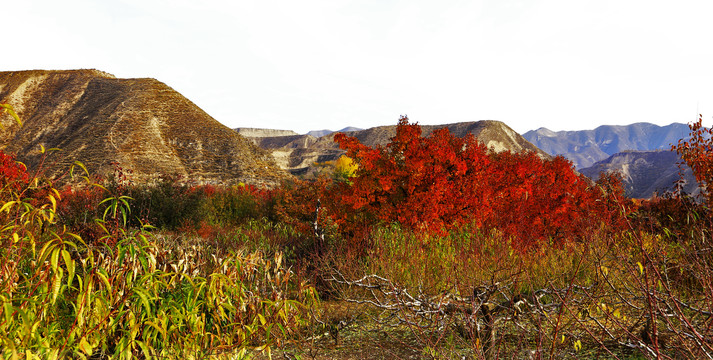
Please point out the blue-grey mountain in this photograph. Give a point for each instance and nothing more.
(586, 147)
(646, 173)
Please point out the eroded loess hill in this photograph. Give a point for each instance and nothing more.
(299, 153)
(141, 124)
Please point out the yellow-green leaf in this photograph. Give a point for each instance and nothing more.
(11, 111)
(605, 270)
(53, 201)
(85, 346)
(53, 354)
(641, 268)
(7, 309)
(69, 263)
(56, 282)
(7, 206)
(103, 277)
(54, 259)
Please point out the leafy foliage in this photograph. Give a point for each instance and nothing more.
(344, 168)
(697, 152)
(12, 173)
(468, 249)
(441, 181)
(141, 296)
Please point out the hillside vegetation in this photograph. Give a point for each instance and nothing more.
(427, 246)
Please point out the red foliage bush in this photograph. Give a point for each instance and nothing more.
(12, 172)
(435, 183)
(697, 152)
(78, 209)
(295, 203)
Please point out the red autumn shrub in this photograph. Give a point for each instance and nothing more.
(420, 182)
(295, 203)
(12, 172)
(78, 209)
(697, 152)
(435, 183)
(539, 199)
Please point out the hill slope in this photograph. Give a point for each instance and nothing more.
(586, 147)
(645, 172)
(141, 124)
(299, 153)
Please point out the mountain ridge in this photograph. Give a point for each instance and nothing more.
(646, 173)
(139, 124)
(299, 154)
(585, 147)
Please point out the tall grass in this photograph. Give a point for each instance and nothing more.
(132, 294)
(474, 294)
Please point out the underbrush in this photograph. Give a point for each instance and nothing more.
(130, 292)
(476, 296)
(433, 245)
(230, 283)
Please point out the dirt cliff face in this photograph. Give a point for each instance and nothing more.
(259, 132)
(141, 124)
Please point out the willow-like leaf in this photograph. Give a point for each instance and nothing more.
(70, 265)
(104, 277)
(56, 285)
(54, 258)
(8, 109)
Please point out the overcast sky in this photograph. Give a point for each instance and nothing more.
(306, 65)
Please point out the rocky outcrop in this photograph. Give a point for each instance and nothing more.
(140, 124)
(258, 132)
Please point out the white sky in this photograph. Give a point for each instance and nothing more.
(307, 65)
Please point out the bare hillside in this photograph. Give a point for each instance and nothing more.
(141, 124)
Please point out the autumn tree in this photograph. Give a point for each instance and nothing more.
(697, 152)
(344, 168)
(434, 183)
(416, 181)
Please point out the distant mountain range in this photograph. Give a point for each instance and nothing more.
(640, 152)
(586, 147)
(320, 133)
(259, 132)
(646, 173)
(140, 124)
